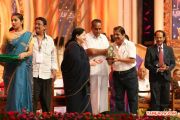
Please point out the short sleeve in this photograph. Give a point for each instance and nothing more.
(132, 50)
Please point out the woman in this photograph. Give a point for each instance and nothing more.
(75, 71)
(18, 75)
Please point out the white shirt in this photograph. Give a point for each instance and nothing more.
(100, 42)
(161, 47)
(126, 50)
(143, 86)
(48, 60)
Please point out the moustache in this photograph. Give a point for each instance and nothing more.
(116, 38)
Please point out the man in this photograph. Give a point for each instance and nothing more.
(176, 82)
(44, 66)
(124, 71)
(97, 45)
(159, 60)
(143, 83)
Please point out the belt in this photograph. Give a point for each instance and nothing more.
(125, 72)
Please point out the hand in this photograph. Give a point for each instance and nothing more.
(22, 55)
(110, 60)
(92, 63)
(116, 59)
(98, 61)
(163, 68)
(105, 51)
(53, 74)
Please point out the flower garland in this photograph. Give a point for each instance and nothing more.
(77, 116)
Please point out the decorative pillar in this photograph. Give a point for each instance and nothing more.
(127, 17)
(134, 22)
(158, 15)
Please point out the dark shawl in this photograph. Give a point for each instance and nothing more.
(75, 71)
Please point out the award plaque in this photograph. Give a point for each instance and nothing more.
(110, 53)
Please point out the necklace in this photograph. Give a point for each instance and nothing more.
(18, 33)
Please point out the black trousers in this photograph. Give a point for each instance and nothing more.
(42, 91)
(160, 94)
(126, 81)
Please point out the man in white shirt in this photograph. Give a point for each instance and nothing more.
(44, 66)
(143, 83)
(96, 49)
(124, 71)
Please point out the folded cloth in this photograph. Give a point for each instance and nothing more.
(9, 58)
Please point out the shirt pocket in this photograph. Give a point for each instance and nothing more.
(47, 51)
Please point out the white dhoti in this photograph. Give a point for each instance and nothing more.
(99, 74)
(99, 93)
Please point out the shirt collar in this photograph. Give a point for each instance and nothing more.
(95, 36)
(124, 42)
(160, 46)
(45, 35)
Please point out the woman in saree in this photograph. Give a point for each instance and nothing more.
(75, 71)
(18, 75)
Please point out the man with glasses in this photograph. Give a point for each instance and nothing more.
(159, 60)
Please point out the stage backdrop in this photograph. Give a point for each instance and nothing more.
(64, 15)
(80, 12)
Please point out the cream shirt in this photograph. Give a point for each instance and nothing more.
(144, 86)
(49, 57)
(100, 42)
